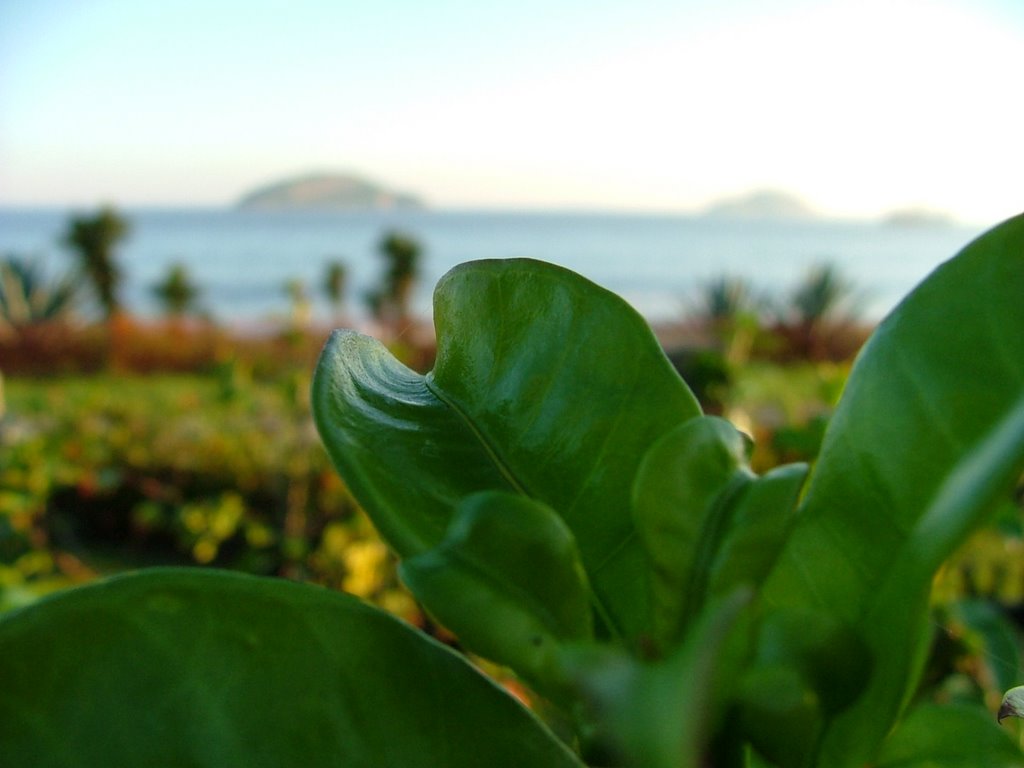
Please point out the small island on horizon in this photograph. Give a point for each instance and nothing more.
(344, 191)
(761, 204)
(323, 191)
(780, 205)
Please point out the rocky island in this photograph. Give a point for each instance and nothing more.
(326, 192)
(761, 204)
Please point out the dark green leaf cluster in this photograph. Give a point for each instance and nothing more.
(549, 389)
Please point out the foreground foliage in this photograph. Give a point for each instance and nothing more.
(562, 505)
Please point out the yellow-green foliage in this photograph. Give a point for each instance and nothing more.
(106, 473)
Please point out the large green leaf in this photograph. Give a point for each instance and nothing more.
(807, 667)
(545, 384)
(928, 434)
(707, 522)
(508, 582)
(202, 668)
(665, 714)
(952, 736)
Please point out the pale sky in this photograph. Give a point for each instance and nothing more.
(858, 106)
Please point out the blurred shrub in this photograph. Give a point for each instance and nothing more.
(29, 298)
(179, 346)
(785, 409)
(978, 599)
(107, 473)
(177, 293)
(707, 372)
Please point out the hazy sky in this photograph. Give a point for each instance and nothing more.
(857, 105)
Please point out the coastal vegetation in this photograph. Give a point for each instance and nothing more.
(177, 293)
(671, 594)
(30, 298)
(390, 302)
(334, 284)
(93, 239)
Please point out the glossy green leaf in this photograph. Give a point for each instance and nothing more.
(951, 736)
(754, 760)
(760, 524)
(407, 456)
(507, 581)
(706, 521)
(806, 668)
(664, 714)
(928, 434)
(780, 715)
(545, 384)
(681, 503)
(204, 668)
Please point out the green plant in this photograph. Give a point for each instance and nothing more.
(118, 472)
(94, 238)
(561, 504)
(823, 307)
(821, 296)
(390, 302)
(28, 297)
(334, 282)
(176, 292)
(729, 310)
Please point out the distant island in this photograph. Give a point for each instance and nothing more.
(326, 191)
(761, 204)
(918, 217)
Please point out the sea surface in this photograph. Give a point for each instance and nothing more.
(242, 260)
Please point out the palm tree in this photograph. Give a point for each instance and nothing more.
(176, 293)
(725, 297)
(401, 254)
(728, 309)
(335, 277)
(94, 238)
(821, 295)
(822, 304)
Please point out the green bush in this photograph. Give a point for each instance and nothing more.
(107, 473)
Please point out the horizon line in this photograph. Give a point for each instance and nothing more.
(941, 217)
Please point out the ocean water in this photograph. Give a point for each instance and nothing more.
(243, 259)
